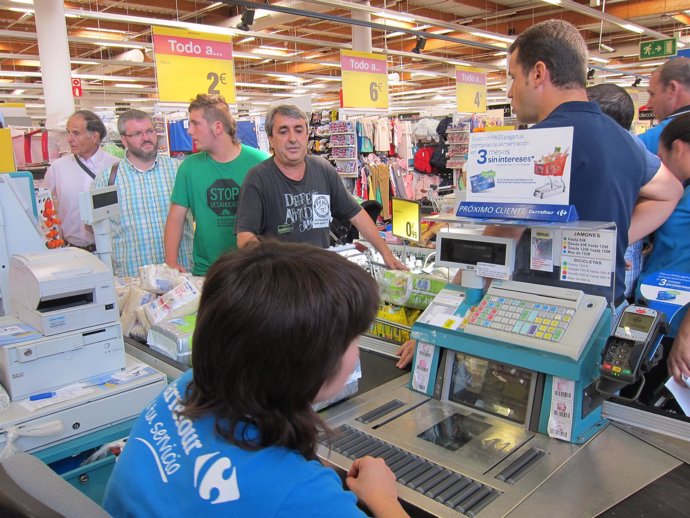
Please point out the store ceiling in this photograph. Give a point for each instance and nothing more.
(295, 52)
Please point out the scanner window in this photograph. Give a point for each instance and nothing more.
(490, 386)
(455, 431)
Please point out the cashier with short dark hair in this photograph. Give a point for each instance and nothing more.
(237, 436)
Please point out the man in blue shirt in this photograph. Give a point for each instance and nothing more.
(548, 69)
(669, 96)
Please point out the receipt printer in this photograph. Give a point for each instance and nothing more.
(62, 290)
(31, 363)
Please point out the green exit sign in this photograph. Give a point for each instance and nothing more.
(658, 49)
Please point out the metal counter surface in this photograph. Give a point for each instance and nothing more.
(657, 484)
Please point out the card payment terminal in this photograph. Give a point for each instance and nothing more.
(632, 345)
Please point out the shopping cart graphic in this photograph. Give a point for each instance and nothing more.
(552, 166)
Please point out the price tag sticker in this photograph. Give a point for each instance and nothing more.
(470, 89)
(189, 63)
(364, 79)
(406, 216)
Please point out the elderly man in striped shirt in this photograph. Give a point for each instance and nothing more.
(144, 180)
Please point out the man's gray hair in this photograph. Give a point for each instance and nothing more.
(93, 123)
(286, 110)
(131, 115)
(676, 69)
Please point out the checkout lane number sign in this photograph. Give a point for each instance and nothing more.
(189, 63)
(406, 217)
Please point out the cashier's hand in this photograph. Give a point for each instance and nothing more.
(679, 359)
(406, 353)
(178, 267)
(374, 484)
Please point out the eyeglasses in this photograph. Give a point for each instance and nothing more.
(138, 134)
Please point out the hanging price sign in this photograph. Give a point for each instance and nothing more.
(190, 63)
(470, 89)
(406, 216)
(365, 79)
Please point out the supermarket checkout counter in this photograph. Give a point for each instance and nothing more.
(508, 470)
(501, 415)
(583, 478)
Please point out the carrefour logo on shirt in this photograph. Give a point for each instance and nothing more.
(215, 480)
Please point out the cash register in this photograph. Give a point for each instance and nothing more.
(62, 358)
(500, 409)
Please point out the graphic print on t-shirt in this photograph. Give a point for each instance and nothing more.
(217, 483)
(222, 198)
(306, 211)
(173, 443)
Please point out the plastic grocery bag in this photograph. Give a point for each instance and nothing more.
(412, 290)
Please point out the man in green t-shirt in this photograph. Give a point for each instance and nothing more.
(208, 183)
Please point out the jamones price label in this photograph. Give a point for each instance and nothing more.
(190, 63)
(364, 79)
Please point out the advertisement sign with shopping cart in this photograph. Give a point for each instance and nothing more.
(520, 166)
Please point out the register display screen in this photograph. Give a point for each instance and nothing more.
(104, 200)
(472, 252)
(496, 388)
(637, 322)
(455, 431)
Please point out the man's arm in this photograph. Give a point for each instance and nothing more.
(173, 235)
(657, 200)
(679, 359)
(367, 228)
(245, 238)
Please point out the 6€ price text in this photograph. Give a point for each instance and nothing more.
(365, 80)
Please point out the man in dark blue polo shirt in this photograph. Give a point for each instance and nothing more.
(548, 68)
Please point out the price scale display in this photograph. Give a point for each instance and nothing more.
(365, 79)
(470, 88)
(190, 63)
(406, 219)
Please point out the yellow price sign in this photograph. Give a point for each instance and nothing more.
(406, 219)
(7, 164)
(190, 63)
(470, 89)
(365, 79)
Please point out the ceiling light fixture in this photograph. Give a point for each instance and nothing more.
(632, 28)
(603, 47)
(395, 16)
(121, 44)
(504, 39)
(598, 59)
